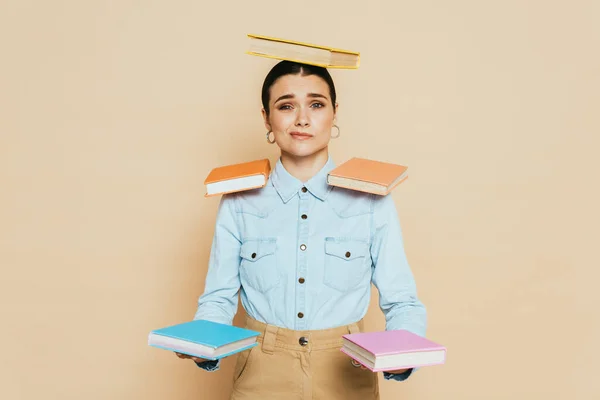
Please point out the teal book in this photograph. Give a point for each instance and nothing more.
(202, 338)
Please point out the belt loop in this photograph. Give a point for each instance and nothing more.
(354, 328)
(268, 344)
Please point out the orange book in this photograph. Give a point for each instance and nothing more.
(237, 177)
(369, 176)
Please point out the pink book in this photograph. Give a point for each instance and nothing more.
(391, 350)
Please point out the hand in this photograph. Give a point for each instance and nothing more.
(185, 357)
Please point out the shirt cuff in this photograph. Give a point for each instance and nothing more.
(398, 377)
(210, 365)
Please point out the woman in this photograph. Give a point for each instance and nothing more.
(303, 255)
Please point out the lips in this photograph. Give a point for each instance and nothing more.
(300, 135)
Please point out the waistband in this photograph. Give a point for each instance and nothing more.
(272, 336)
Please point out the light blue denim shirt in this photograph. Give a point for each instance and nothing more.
(303, 256)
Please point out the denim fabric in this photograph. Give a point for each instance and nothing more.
(303, 256)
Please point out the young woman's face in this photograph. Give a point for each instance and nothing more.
(301, 114)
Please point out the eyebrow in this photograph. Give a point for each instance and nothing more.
(291, 96)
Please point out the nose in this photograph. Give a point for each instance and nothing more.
(302, 118)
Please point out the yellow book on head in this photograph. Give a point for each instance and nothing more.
(306, 53)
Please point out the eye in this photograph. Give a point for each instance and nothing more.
(285, 107)
(317, 105)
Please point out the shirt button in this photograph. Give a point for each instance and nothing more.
(253, 255)
(301, 280)
(304, 216)
(302, 247)
(303, 341)
(300, 315)
(347, 254)
(304, 190)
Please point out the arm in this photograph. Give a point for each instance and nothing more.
(393, 277)
(219, 301)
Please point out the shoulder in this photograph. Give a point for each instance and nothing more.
(348, 203)
(257, 202)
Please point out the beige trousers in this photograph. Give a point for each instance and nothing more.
(301, 365)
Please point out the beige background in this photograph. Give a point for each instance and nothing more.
(112, 113)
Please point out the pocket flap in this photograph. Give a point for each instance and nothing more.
(346, 249)
(253, 250)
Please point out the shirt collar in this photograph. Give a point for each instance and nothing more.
(287, 185)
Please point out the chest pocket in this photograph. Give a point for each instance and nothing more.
(347, 263)
(258, 268)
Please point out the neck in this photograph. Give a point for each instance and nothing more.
(304, 168)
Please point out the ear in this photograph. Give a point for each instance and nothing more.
(265, 119)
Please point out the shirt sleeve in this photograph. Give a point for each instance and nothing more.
(398, 377)
(392, 274)
(219, 301)
(210, 365)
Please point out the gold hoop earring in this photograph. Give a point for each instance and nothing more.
(338, 132)
(269, 137)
